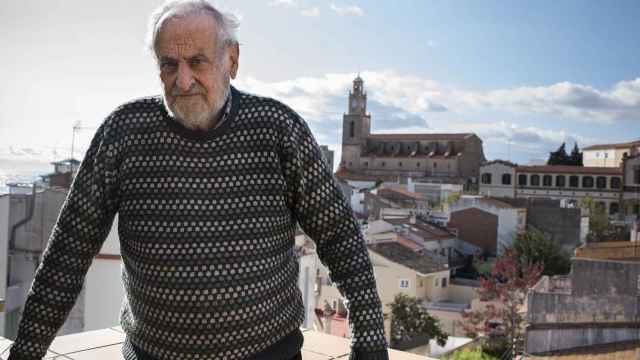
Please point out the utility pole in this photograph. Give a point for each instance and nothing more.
(76, 127)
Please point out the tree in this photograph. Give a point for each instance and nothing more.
(410, 319)
(508, 285)
(576, 156)
(467, 354)
(559, 157)
(600, 229)
(534, 247)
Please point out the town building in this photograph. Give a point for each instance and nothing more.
(485, 222)
(569, 184)
(450, 158)
(609, 155)
(328, 156)
(631, 187)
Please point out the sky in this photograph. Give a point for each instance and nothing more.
(524, 76)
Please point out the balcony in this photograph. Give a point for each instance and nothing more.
(106, 344)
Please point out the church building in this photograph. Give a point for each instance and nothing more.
(438, 157)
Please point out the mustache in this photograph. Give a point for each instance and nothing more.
(195, 89)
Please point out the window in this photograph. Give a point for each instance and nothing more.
(601, 182)
(404, 284)
(597, 154)
(506, 179)
(435, 164)
(587, 182)
(625, 155)
(437, 282)
(421, 284)
(444, 282)
(535, 180)
(616, 183)
(636, 175)
(636, 209)
(614, 208)
(522, 180)
(400, 164)
(352, 129)
(560, 181)
(383, 163)
(547, 180)
(486, 178)
(418, 165)
(366, 164)
(574, 181)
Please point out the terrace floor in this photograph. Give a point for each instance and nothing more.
(106, 344)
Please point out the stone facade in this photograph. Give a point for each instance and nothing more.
(596, 304)
(456, 157)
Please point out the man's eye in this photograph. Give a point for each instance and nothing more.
(196, 62)
(168, 66)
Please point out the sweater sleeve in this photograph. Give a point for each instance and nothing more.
(322, 211)
(80, 230)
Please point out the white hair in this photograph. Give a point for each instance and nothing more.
(227, 23)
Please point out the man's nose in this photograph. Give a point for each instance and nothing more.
(185, 78)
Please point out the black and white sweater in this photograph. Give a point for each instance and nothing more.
(206, 224)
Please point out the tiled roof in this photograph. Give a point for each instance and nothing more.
(498, 161)
(565, 169)
(613, 146)
(344, 175)
(402, 255)
(401, 191)
(417, 137)
(106, 344)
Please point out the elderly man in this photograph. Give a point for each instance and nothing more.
(210, 184)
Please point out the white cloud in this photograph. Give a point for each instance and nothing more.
(405, 103)
(311, 12)
(353, 10)
(283, 3)
(432, 43)
(576, 101)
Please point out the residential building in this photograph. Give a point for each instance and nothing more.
(631, 194)
(570, 184)
(488, 223)
(436, 156)
(328, 156)
(609, 155)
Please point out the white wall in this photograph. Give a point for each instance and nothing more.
(103, 294)
(306, 283)
(103, 291)
(4, 243)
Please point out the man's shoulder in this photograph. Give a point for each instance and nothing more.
(267, 107)
(141, 106)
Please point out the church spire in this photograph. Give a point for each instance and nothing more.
(358, 97)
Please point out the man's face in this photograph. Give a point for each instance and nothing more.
(195, 70)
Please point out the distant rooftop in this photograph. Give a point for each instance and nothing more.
(624, 145)
(106, 344)
(566, 169)
(402, 255)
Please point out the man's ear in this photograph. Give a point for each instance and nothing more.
(234, 57)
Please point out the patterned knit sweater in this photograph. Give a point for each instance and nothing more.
(206, 224)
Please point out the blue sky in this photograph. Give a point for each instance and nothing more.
(523, 76)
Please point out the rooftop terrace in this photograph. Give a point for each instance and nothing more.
(106, 344)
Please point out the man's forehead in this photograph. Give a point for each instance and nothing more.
(189, 33)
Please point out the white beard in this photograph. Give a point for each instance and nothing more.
(193, 112)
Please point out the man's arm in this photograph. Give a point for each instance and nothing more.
(81, 228)
(326, 216)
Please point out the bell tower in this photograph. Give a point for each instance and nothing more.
(356, 126)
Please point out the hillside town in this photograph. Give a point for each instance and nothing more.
(518, 261)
